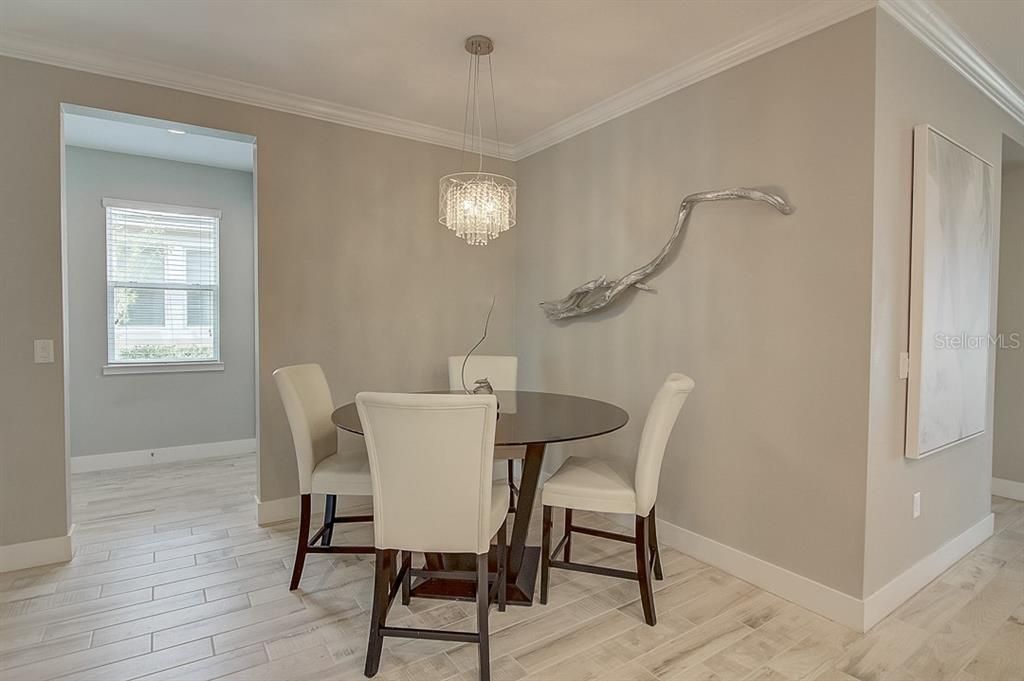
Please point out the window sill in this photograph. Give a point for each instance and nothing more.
(161, 368)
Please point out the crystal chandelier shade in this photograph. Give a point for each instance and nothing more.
(477, 206)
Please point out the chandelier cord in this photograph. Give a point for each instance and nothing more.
(472, 121)
(465, 114)
(472, 106)
(494, 107)
(479, 119)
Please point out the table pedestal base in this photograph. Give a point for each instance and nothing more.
(519, 590)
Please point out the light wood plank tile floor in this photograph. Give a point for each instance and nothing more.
(171, 579)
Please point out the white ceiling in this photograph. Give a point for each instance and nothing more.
(406, 59)
(125, 134)
(560, 66)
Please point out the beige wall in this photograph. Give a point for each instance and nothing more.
(769, 314)
(915, 86)
(354, 271)
(791, 447)
(1008, 445)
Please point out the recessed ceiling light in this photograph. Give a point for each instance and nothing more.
(176, 132)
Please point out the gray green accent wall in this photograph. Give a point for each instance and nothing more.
(146, 411)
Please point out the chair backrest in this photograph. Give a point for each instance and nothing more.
(430, 467)
(308, 405)
(500, 370)
(660, 420)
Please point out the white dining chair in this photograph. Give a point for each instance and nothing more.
(502, 371)
(322, 468)
(606, 486)
(430, 466)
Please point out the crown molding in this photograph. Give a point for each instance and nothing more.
(152, 73)
(785, 29)
(933, 28)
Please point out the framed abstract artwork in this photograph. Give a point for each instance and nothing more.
(953, 244)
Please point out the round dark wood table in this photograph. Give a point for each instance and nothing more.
(527, 418)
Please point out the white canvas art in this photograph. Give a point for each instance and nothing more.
(952, 259)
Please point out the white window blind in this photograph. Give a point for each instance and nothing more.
(163, 283)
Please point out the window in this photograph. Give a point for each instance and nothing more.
(200, 302)
(163, 296)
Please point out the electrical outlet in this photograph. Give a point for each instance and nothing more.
(917, 504)
(43, 351)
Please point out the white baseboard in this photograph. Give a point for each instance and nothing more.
(33, 553)
(896, 592)
(279, 510)
(147, 457)
(1011, 489)
(855, 613)
(822, 599)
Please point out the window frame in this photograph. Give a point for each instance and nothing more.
(112, 367)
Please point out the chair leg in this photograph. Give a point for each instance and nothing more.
(379, 613)
(407, 579)
(482, 606)
(567, 552)
(300, 551)
(511, 486)
(653, 527)
(545, 556)
(643, 569)
(502, 576)
(330, 503)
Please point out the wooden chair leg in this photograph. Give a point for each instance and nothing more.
(545, 555)
(511, 486)
(379, 613)
(407, 579)
(330, 503)
(482, 607)
(502, 575)
(652, 524)
(567, 551)
(300, 551)
(643, 569)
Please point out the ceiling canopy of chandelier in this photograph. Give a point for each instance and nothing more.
(477, 206)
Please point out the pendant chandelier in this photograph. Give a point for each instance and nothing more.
(477, 206)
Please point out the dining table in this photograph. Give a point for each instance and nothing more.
(525, 419)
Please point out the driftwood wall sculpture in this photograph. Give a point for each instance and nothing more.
(597, 293)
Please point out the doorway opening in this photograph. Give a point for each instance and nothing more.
(158, 242)
(1007, 458)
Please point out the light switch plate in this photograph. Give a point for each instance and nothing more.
(44, 351)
